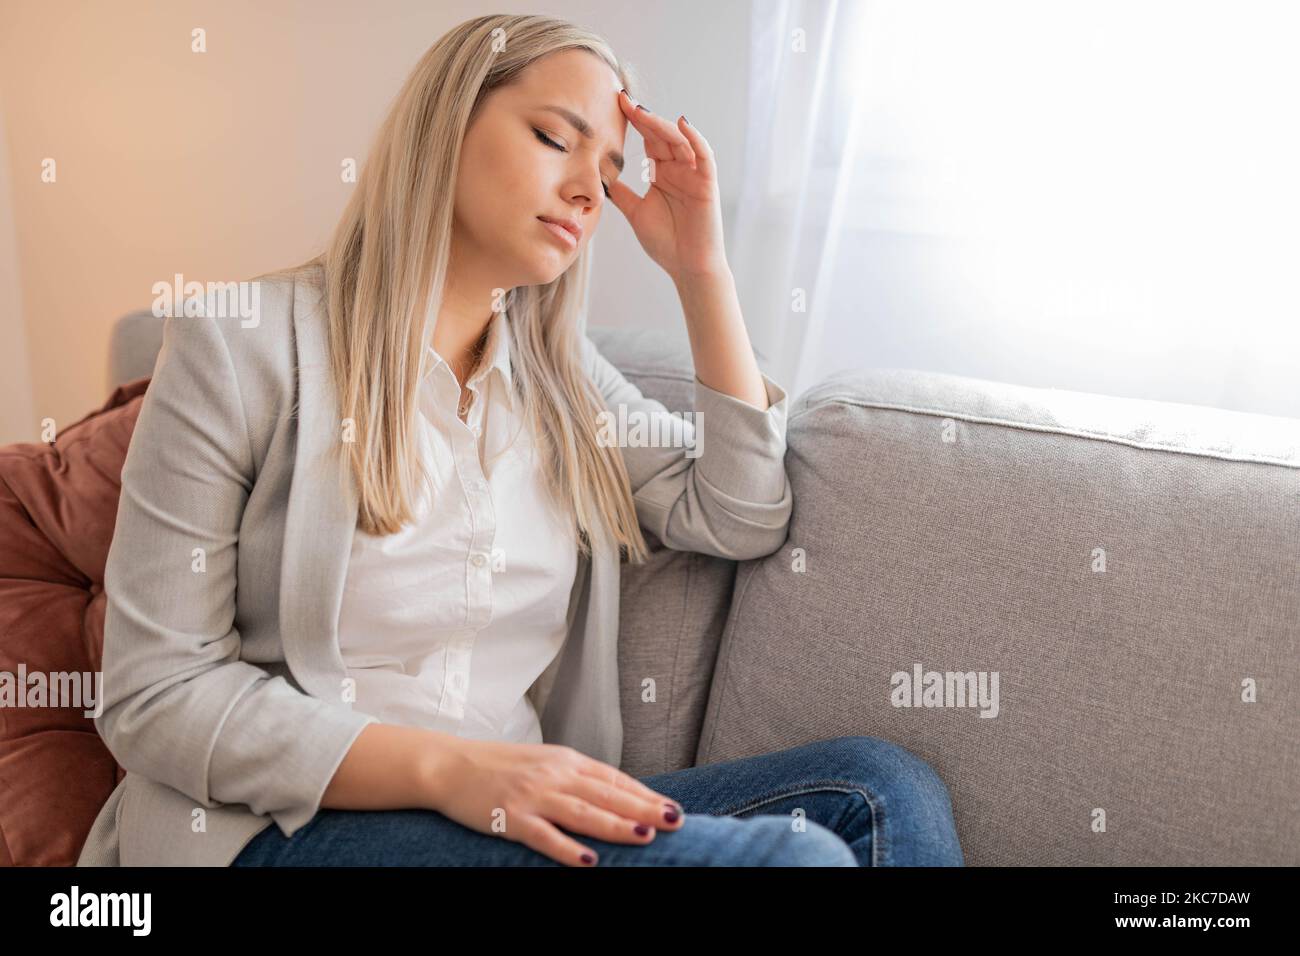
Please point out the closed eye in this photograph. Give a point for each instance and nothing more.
(554, 145)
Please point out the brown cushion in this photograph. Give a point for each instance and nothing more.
(58, 507)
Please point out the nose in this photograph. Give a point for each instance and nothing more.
(588, 191)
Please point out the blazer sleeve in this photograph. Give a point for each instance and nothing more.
(179, 705)
(719, 486)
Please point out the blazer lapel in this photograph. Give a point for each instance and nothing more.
(577, 697)
(321, 517)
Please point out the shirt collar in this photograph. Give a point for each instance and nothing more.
(496, 350)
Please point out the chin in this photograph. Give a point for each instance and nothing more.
(544, 271)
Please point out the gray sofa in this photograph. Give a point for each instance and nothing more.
(1128, 572)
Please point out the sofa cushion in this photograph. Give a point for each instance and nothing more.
(961, 525)
(58, 507)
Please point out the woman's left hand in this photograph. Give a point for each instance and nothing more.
(679, 220)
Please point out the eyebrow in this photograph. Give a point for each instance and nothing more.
(583, 127)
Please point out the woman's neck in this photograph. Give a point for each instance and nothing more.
(460, 333)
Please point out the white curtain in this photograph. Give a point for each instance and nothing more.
(806, 93)
(1096, 196)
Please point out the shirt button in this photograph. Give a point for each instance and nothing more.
(478, 559)
(476, 430)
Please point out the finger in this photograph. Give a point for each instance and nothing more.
(624, 197)
(656, 129)
(655, 146)
(607, 773)
(679, 176)
(703, 151)
(582, 816)
(633, 808)
(619, 780)
(547, 839)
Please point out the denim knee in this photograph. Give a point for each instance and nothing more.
(887, 769)
(909, 798)
(779, 843)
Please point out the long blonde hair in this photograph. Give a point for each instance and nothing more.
(384, 269)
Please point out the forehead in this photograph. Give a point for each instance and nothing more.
(580, 84)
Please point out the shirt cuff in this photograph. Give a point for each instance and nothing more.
(776, 397)
(752, 469)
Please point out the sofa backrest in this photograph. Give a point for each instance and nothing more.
(1129, 570)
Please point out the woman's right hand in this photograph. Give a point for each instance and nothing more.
(525, 792)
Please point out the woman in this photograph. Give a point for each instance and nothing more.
(328, 512)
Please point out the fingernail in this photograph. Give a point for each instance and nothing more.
(641, 829)
(671, 814)
(588, 858)
(640, 107)
(685, 120)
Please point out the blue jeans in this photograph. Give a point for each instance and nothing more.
(846, 801)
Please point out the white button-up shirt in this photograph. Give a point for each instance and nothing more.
(447, 623)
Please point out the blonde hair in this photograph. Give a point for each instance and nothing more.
(384, 269)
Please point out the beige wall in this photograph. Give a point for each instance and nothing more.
(225, 164)
(18, 420)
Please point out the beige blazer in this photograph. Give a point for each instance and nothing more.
(223, 682)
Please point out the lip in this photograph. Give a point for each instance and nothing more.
(567, 230)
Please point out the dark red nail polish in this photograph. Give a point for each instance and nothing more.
(641, 829)
(640, 107)
(685, 120)
(671, 815)
(588, 858)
